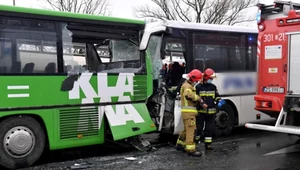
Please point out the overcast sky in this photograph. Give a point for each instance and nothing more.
(121, 8)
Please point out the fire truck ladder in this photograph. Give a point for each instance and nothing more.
(281, 128)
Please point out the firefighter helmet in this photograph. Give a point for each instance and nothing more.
(209, 74)
(195, 75)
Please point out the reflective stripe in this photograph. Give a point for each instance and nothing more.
(209, 111)
(197, 137)
(189, 111)
(208, 139)
(218, 98)
(190, 147)
(180, 142)
(207, 94)
(188, 107)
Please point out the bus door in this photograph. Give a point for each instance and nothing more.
(174, 56)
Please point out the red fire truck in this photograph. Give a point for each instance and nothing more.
(278, 87)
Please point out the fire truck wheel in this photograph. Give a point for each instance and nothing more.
(224, 121)
(23, 142)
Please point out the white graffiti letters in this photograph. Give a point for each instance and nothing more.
(118, 114)
(83, 83)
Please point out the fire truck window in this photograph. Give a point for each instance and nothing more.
(219, 51)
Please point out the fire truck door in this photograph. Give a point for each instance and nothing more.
(294, 64)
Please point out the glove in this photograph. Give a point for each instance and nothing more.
(221, 103)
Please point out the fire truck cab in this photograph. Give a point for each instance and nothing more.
(278, 87)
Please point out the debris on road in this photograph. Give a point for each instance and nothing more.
(131, 158)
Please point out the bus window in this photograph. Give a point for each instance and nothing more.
(219, 51)
(93, 51)
(154, 51)
(23, 49)
(5, 55)
(174, 57)
(252, 52)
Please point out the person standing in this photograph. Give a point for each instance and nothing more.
(211, 100)
(189, 99)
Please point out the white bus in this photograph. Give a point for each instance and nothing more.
(229, 50)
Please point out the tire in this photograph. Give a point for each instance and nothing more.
(224, 121)
(26, 128)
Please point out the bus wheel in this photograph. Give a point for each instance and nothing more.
(23, 142)
(224, 121)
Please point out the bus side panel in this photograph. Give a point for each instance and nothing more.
(65, 133)
(76, 127)
(129, 120)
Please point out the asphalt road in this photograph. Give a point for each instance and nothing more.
(245, 150)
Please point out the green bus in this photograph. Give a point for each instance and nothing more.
(67, 80)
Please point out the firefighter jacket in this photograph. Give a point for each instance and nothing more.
(210, 96)
(188, 97)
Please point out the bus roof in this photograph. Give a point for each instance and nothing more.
(43, 12)
(210, 27)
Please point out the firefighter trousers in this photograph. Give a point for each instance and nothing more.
(209, 121)
(186, 137)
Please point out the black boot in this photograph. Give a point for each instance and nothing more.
(197, 140)
(179, 148)
(195, 153)
(208, 146)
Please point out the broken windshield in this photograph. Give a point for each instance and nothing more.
(124, 50)
(154, 50)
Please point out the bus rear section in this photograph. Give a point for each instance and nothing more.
(272, 52)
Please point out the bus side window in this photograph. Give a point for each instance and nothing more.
(28, 46)
(5, 55)
(207, 51)
(252, 52)
(99, 51)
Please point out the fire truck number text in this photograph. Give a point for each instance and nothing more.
(273, 37)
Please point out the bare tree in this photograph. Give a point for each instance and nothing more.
(97, 7)
(227, 12)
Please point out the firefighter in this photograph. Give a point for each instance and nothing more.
(210, 96)
(189, 99)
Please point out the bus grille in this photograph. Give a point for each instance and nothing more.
(140, 87)
(79, 123)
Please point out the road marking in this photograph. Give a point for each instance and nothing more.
(290, 149)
